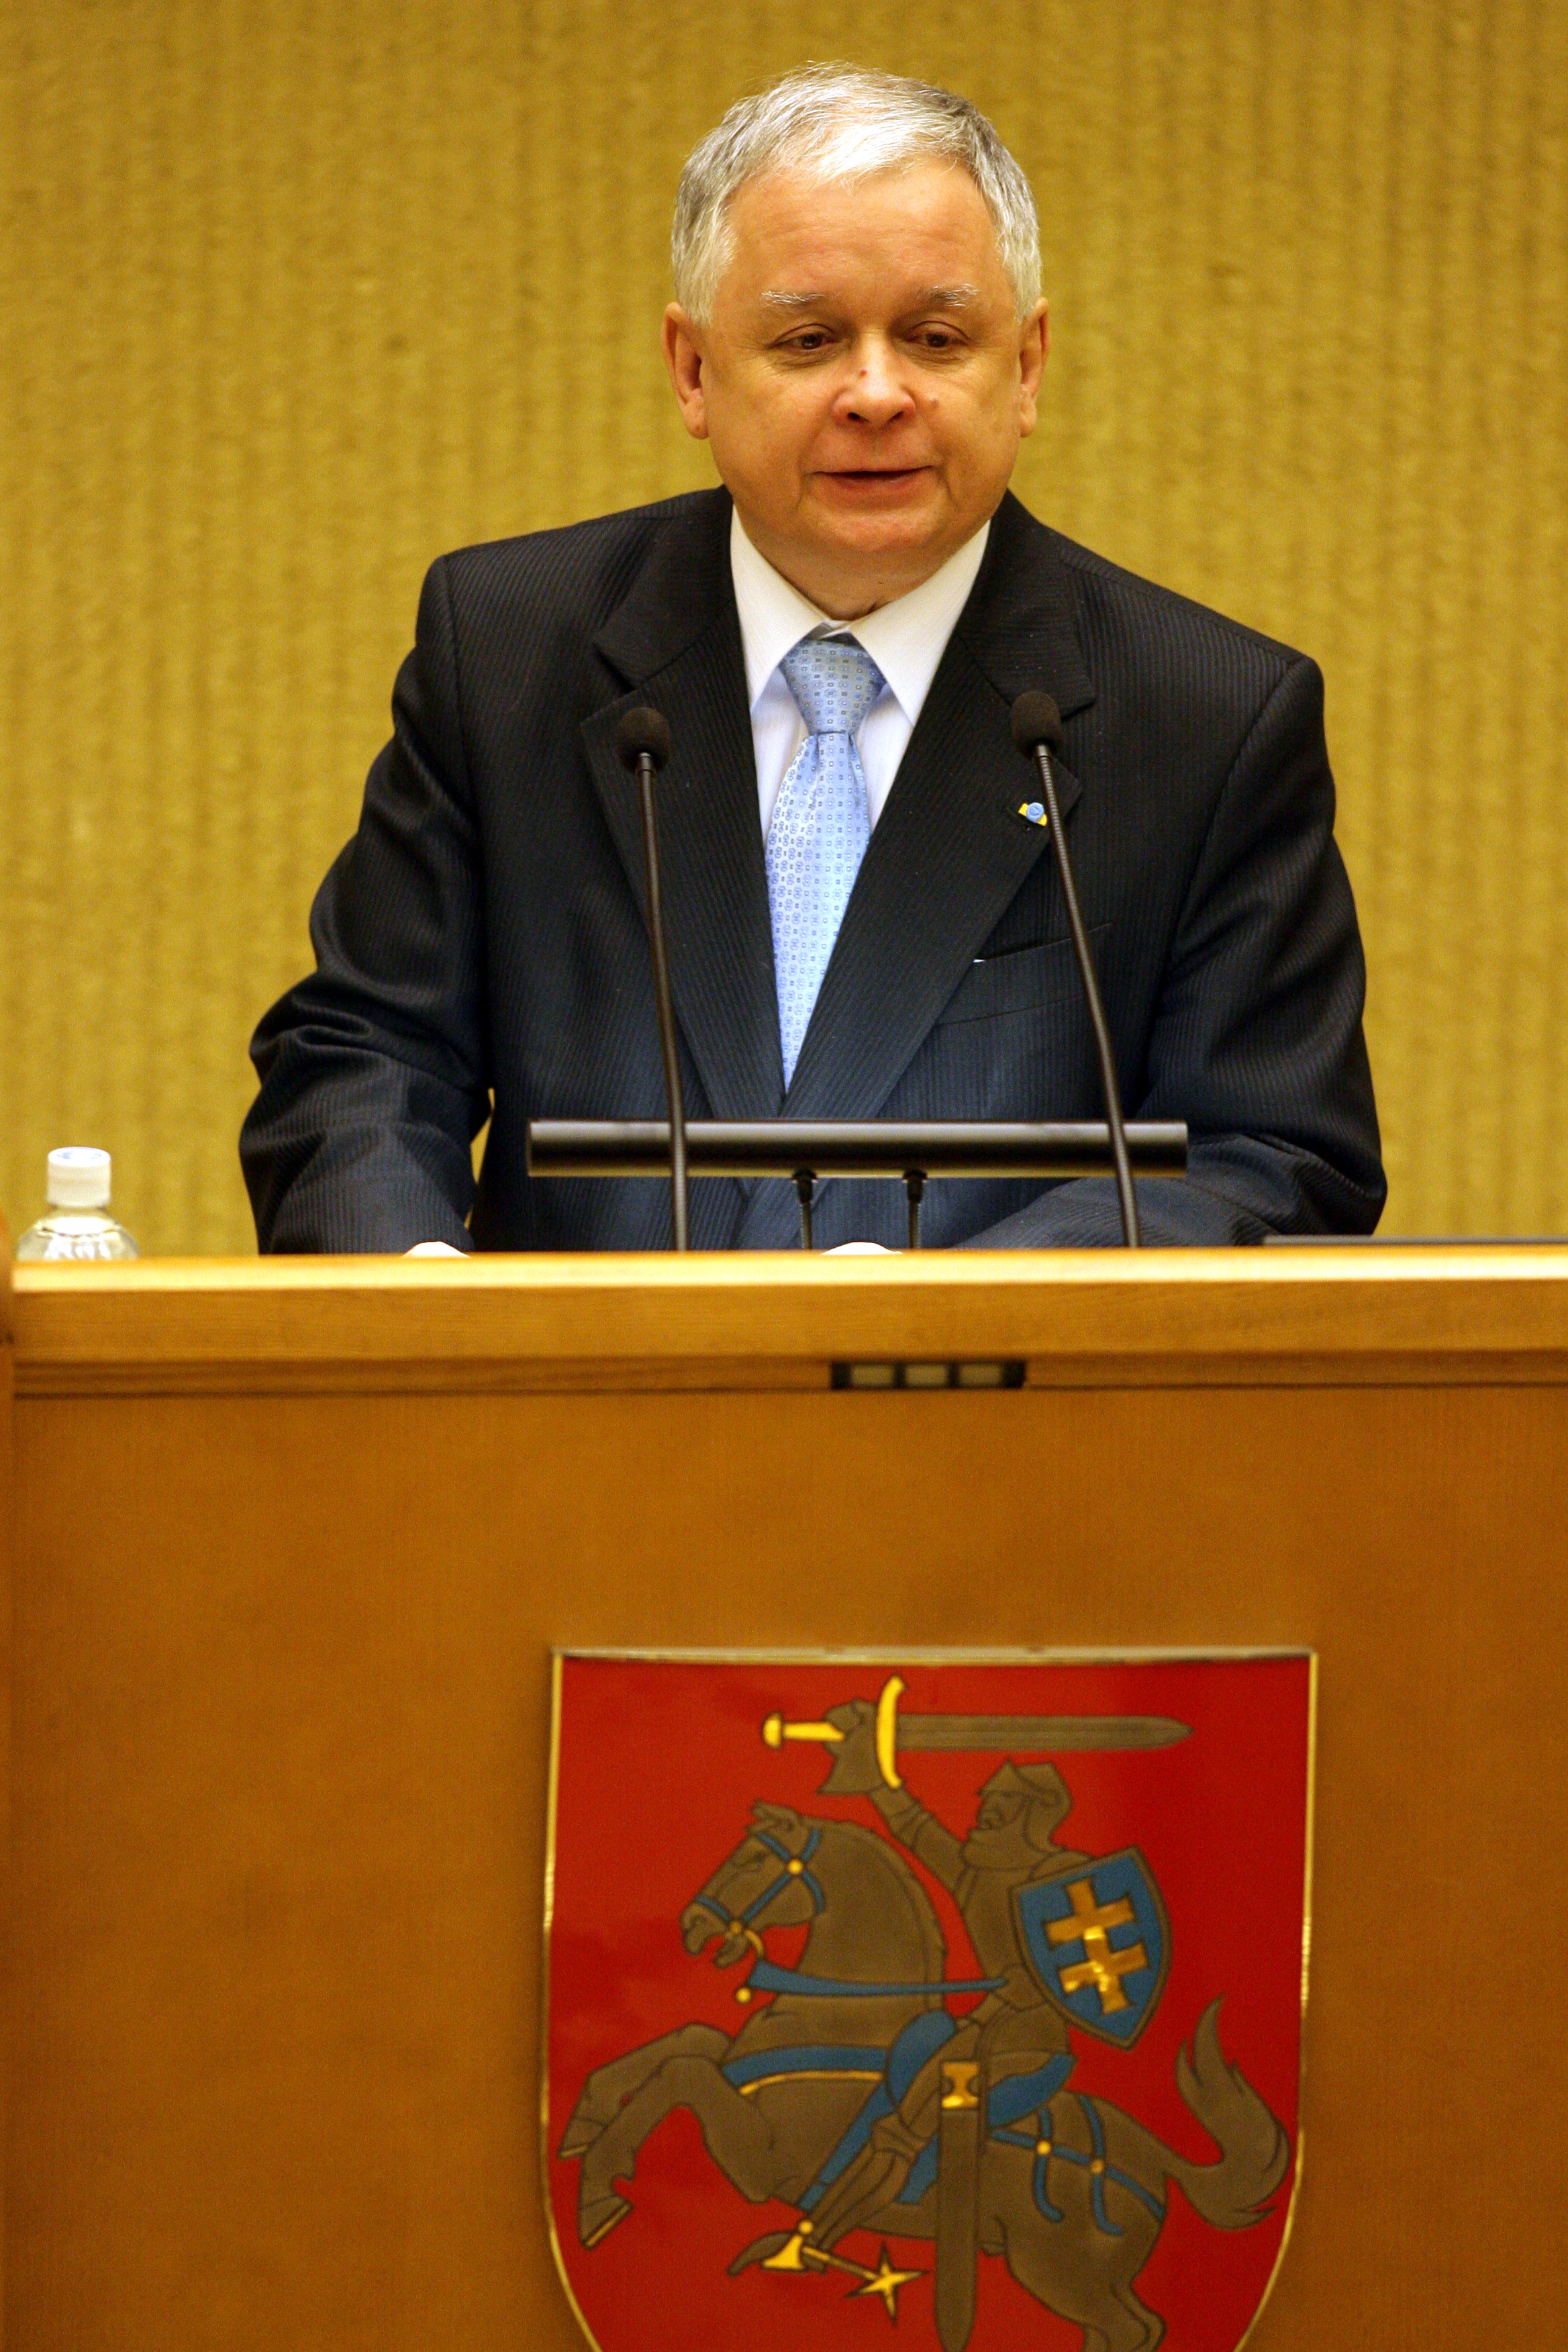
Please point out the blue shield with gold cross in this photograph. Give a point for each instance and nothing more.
(1097, 1943)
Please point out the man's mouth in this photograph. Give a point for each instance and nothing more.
(874, 474)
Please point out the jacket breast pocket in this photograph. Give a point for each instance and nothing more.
(1019, 980)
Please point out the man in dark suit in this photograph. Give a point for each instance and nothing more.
(863, 918)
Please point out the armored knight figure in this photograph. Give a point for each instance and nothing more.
(1014, 2029)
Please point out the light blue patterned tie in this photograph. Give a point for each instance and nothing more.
(821, 824)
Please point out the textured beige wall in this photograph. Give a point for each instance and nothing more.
(296, 295)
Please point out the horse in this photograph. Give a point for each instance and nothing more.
(1072, 2190)
(774, 2099)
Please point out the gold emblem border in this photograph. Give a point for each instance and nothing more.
(561, 1652)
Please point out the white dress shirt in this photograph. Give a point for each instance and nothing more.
(906, 639)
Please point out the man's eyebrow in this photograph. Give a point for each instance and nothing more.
(930, 298)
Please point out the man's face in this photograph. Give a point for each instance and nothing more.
(864, 378)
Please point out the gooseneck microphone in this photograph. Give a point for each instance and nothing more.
(1037, 733)
(642, 747)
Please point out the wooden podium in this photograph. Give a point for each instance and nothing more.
(290, 1543)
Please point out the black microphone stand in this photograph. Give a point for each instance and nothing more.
(1037, 732)
(642, 745)
(910, 1151)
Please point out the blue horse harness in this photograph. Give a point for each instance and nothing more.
(1007, 2103)
(794, 1868)
(767, 1977)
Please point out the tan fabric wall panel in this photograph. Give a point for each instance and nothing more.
(295, 295)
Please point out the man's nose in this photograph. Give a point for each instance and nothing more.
(876, 392)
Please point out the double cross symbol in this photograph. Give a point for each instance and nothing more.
(1100, 1967)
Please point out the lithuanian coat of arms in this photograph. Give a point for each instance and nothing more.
(966, 1992)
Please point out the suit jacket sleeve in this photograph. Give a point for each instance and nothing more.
(374, 1071)
(1257, 1039)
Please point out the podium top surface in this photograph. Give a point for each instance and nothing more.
(1090, 1318)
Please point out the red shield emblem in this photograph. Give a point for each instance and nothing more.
(962, 1992)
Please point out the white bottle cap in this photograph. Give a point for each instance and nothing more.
(78, 1178)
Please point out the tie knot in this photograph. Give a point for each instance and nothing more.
(834, 680)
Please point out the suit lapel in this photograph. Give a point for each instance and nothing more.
(950, 850)
(676, 643)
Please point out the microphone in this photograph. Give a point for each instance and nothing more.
(1037, 733)
(642, 747)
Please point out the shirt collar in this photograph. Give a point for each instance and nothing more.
(906, 639)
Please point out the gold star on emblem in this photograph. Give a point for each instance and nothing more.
(886, 2282)
(798, 2254)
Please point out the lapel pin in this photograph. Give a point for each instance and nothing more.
(1032, 812)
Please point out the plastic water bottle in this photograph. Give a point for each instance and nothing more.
(78, 1221)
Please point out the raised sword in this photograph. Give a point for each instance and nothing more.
(1047, 1733)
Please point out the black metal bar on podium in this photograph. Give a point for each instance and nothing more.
(910, 1152)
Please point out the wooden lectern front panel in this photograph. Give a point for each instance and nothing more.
(279, 1757)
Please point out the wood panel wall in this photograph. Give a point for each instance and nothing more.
(296, 293)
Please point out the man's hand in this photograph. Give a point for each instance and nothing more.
(856, 1771)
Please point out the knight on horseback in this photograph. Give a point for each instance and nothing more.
(852, 2094)
(1014, 2029)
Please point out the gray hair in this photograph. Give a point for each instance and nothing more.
(845, 122)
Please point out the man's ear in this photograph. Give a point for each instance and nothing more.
(682, 341)
(1033, 346)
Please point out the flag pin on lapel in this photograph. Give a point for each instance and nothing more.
(1032, 812)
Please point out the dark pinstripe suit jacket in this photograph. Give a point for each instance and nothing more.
(485, 930)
